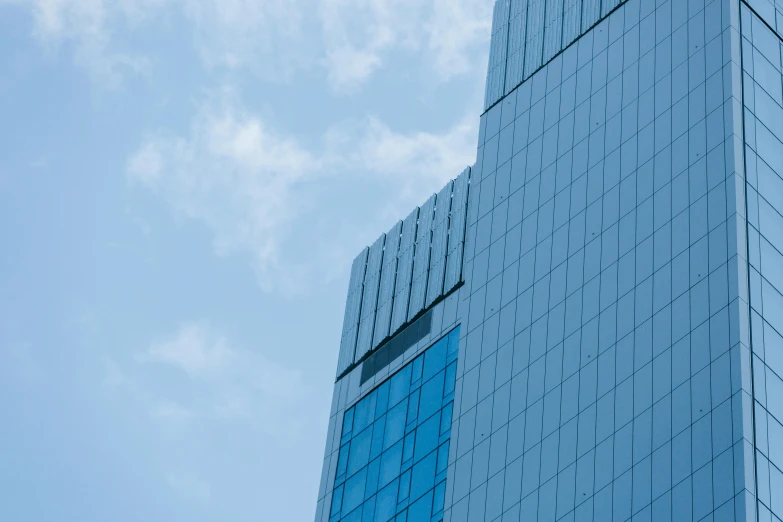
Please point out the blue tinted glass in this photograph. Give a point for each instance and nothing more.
(382, 400)
(368, 510)
(337, 500)
(380, 463)
(395, 424)
(417, 369)
(421, 509)
(354, 491)
(405, 486)
(390, 464)
(443, 457)
(451, 374)
(348, 422)
(399, 386)
(413, 407)
(423, 476)
(427, 437)
(445, 418)
(373, 472)
(378, 431)
(435, 358)
(360, 451)
(342, 462)
(431, 396)
(364, 413)
(386, 502)
(438, 497)
(355, 516)
(408, 447)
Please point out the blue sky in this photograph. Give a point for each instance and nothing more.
(183, 185)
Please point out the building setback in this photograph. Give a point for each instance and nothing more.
(587, 324)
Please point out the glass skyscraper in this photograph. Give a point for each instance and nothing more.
(587, 324)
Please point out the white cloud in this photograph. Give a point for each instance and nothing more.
(360, 35)
(205, 355)
(226, 33)
(456, 28)
(193, 350)
(272, 37)
(236, 33)
(236, 176)
(85, 27)
(146, 164)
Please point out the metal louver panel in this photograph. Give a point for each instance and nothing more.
(402, 287)
(386, 291)
(440, 234)
(352, 312)
(421, 259)
(372, 279)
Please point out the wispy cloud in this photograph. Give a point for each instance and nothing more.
(273, 37)
(236, 33)
(231, 173)
(85, 26)
(236, 175)
(360, 35)
(456, 31)
(193, 350)
(226, 33)
(239, 379)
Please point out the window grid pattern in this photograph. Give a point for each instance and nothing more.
(771, 11)
(762, 66)
(528, 33)
(394, 445)
(605, 371)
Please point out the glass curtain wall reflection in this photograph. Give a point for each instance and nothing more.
(762, 66)
(395, 443)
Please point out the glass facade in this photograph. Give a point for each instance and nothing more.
(621, 311)
(394, 447)
(762, 60)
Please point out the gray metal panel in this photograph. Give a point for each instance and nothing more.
(424, 237)
(367, 323)
(403, 290)
(454, 267)
(456, 244)
(554, 28)
(517, 29)
(534, 45)
(375, 257)
(418, 295)
(608, 6)
(382, 322)
(386, 291)
(421, 260)
(372, 278)
(440, 231)
(497, 54)
(459, 204)
(591, 11)
(352, 311)
(402, 286)
(572, 18)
